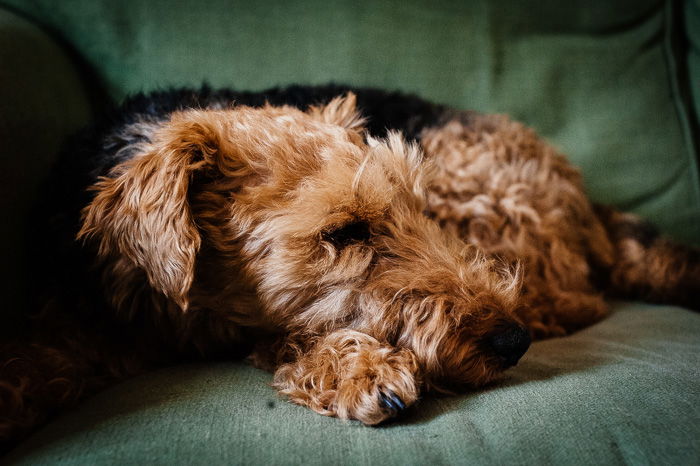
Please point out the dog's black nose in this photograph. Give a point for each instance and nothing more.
(510, 344)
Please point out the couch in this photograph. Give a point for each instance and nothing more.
(614, 83)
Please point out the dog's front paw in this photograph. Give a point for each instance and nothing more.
(378, 387)
(353, 376)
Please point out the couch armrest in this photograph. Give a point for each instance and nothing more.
(41, 101)
(692, 30)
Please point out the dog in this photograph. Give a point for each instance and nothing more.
(365, 246)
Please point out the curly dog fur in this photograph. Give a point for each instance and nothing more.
(363, 267)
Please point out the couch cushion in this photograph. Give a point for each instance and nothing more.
(596, 77)
(692, 30)
(41, 102)
(622, 391)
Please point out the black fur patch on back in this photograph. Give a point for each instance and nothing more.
(384, 110)
(96, 146)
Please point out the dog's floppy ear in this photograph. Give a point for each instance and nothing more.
(141, 209)
(341, 111)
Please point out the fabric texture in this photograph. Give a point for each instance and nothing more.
(599, 78)
(692, 31)
(624, 391)
(41, 101)
(595, 77)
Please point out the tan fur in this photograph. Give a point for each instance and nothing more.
(502, 188)
(344, 373)
(296, 229)
(277, 180)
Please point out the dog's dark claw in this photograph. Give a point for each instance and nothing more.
(399, 402)
(387, 402)
(391, 401)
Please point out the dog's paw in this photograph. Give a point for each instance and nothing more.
(352, 376)
(378, 387)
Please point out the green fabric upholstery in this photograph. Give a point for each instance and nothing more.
(601, 79)
(624, 391)
(41, 101)
(596, 77)
(692, 30)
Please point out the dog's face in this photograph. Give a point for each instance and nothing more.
(326, 228)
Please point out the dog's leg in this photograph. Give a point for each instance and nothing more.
(40, 379)
(649, 265)
(351, 375)
(35, 381)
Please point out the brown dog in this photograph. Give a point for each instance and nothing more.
(362, 270)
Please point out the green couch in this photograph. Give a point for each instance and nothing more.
(614, 83)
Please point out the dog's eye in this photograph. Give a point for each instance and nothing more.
(353, 232)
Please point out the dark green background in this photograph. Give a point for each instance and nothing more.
(610, 82)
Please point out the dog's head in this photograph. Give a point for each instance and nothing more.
(325, 225)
